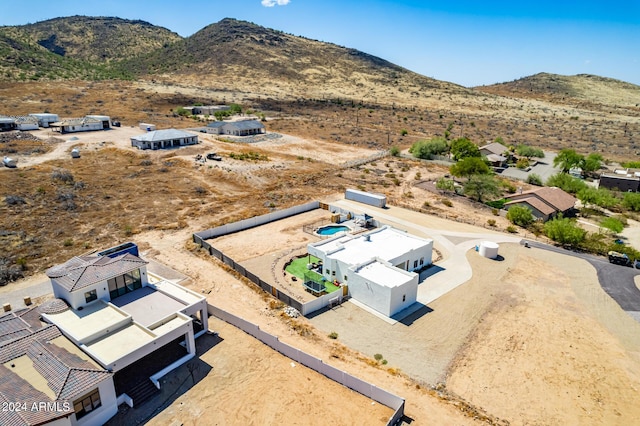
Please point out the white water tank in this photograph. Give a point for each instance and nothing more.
(488, 249)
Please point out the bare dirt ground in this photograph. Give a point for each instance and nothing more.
(530, 340)
(239, 380)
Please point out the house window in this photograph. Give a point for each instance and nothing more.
(90, 296)
(87, 404)
(333, 273)
(326, 271)
(124, 284)
(345, 277)
(415, 263)
(421, 261)
(404, 297)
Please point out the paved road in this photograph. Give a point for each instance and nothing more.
(616, 280)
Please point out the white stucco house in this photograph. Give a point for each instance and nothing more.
(167, 138)
(376, 266)
(84, 124)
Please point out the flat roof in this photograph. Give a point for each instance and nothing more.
(386, 243)
(148, 306)
(382, 274)
(116, 345)
(183, 294)
(93, 317)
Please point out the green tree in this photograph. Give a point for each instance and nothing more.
(529, 151)
(566, 183)
(601, 197)
(592, 163)
(470, 166)
(481, 187)
(446, 185)
(566, 159)
(631, 201)
(394, 151)
(235, 109)
(520, 215)
(565, 231)
(534, 179)
(613, 224)
(464, 148)
(426, 149)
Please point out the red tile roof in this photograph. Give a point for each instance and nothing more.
(556, 198)
(67, 375)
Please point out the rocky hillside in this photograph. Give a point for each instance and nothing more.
(565, 89)
(247, 57)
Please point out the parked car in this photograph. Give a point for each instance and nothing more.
(213, 156)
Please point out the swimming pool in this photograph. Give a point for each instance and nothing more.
(332, 229)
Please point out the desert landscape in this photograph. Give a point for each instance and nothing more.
(530, 339)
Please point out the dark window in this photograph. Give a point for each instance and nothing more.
(124, 284)
(90, 296)
(415, 263)
(422, 261)
(87, 404)
(404, 297)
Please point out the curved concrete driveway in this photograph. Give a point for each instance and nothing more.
(448, 274)
(616, 280)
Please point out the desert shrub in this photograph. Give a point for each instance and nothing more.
(564, 231)
(333, 335)
(404, 132)
(512, 229)
(14, 200)
(446, 202)
(146, 163)
(491, 222)
(394, 151)
(613, 224)
(496, 204)
(378, 357)
(520, 215)
(426, 149)
(534, 179)
(62, 175)
(522, 163)
(68, 242)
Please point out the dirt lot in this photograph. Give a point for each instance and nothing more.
(274, 390)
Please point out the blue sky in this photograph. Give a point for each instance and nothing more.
(466, 42)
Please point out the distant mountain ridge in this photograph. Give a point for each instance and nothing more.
(234, 55)
(560, 88)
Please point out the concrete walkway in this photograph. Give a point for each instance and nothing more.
(454, 270)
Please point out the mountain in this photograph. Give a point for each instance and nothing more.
(584, 88)
(243, 56)
(97, 39)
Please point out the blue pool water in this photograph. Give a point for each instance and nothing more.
(332, 229)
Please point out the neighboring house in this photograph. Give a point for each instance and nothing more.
(45, 118)
(26, 122)
(85, 124)
(496, 153)
(545, 203)
(626, 180)
(206, 110)
(46, 379)
(168, 138)
(238, 128)
(7, 123)
(376, 266)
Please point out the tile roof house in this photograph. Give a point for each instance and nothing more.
(496, 153)
(545, 203)
(51, 380)
(167, 138)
